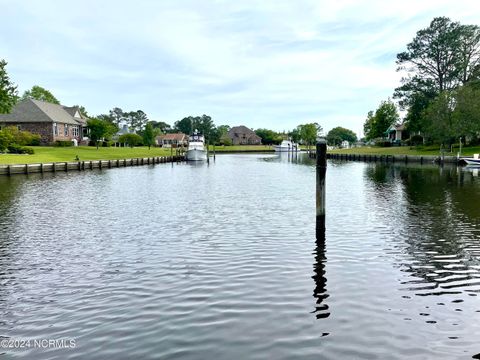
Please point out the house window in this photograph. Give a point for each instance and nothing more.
(65, 130)
(75, 131)
(19, 127)
(55, 129)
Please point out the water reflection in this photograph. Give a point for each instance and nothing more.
(320, 290)
(300, 158)
(435, 216)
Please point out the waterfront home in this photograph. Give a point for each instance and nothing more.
(396, 132)
(172, 140)
(345, 144)
(51, 121)
(241, 135)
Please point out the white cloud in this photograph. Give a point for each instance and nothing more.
(263, 64)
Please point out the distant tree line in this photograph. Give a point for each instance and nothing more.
(440, 91)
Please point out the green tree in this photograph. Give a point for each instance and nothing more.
(468, 54)
(295, 135)
(203, 124)
(163, 126)
(220, 135)
(309, 133)
(440, 57)
(149, 135)
(466, 114)
(378, 123)
(269, 137)
(439, 120)
(6, 138)
(115, 116)
(8, 90)
(40, 93)
(431, 55)
(136, 120)
(100, 129)
(185, 125)
(130, 139)
(339, 134)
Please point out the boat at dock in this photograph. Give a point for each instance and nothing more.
(287, 146)
(475, 160)
(196, 150)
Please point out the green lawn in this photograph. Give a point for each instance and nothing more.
(47, 154)
(405, 150)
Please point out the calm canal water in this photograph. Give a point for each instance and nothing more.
(222, 262)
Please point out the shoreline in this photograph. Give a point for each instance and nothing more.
(66, 166)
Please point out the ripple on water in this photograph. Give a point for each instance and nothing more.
(223, 261)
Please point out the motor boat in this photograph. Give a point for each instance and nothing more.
(475, 160)
(196, 150)
(287, 146)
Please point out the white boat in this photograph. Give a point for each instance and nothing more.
(287, 146)
(196, 148)
(475, 160)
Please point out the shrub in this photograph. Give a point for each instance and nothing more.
(130, 139)
(35, 140)
(416, 140)
(5, 140)
(19, 137)
(63, 143)
(18, 149)
(382, 143)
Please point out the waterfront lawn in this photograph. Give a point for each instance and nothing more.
(406, 150)
(48, 154)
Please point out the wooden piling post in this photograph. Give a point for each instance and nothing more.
(41, 168)
(26, 169)
(9, 170)
(321, 154)
(66, 166)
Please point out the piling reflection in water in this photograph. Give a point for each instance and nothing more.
(320, 291)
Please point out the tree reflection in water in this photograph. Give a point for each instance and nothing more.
(435, 216)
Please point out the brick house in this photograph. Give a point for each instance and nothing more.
(51, 121)
(172, 140)
(241, 135)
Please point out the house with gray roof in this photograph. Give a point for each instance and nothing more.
(241, 135)
(51, 121)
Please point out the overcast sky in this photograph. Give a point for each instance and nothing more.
(273, 64)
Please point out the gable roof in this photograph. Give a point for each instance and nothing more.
(237, 131)
(176, 136)
(36, 111)
(396, 127)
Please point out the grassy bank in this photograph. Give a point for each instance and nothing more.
(47, 154)
(405, 150)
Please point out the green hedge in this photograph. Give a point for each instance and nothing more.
(18, 149)
(63, 143)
